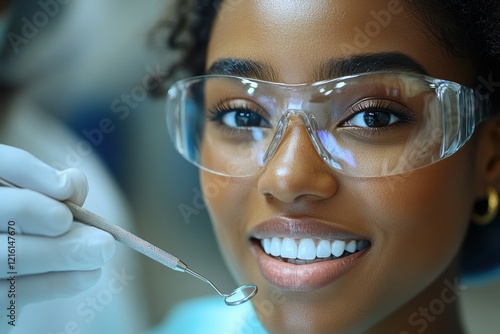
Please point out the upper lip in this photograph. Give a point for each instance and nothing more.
(286, 227)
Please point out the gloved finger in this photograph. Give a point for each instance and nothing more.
(24, 170)
(24, 211)
(81, 248)
(36, 288)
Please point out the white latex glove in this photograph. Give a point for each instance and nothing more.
(54, 256)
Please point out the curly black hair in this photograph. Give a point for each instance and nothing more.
(466, 28)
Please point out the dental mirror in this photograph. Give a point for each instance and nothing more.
(236, 297)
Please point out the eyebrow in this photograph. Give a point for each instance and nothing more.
(338, 67)
(386, 62)
(243, 68)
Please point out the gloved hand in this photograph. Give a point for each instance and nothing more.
(44, 254)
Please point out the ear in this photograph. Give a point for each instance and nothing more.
(489, 153)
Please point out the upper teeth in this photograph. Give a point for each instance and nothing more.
(309, 249)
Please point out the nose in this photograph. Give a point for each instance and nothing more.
(296, 171)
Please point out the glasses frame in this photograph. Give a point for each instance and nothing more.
(473, 109)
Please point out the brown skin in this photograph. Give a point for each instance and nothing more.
(416, 221)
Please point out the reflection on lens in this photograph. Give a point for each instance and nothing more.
(241, 295)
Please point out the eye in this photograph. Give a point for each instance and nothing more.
(373, 119)
(243, 118)
(238, 114)
(378, 114)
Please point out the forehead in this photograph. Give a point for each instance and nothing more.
(296, 37)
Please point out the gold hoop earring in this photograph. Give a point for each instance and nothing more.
(491, 212)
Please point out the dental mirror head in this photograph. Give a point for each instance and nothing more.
(240, 295)
(237, 297)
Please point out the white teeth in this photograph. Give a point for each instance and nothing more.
(307, 249)
(310, 249)
(275, 246)
(351, 246)
(266, 244)
(289, 248)
(338, 247)
(324, 249)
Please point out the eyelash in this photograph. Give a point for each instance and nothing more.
(224, 106)
(405, 115)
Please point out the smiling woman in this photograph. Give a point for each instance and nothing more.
(353, 154)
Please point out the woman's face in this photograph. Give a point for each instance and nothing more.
(414, 222)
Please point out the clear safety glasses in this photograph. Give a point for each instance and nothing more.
(364, 125)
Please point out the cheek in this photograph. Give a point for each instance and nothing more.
(227, 200)
(419, 221)
(223, 196)
(430, 210)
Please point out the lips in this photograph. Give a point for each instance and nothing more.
(305, 254)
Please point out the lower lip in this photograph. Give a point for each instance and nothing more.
(305, 277)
